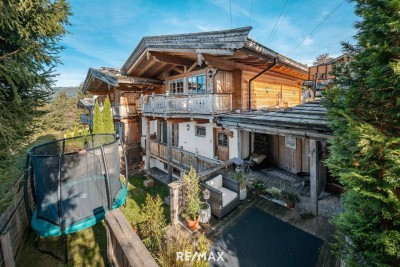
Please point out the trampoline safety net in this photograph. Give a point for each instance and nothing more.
(75, 181)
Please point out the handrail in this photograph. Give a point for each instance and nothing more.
(187, 103)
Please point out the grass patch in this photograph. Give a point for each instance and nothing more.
(89, 247)
(15, 167)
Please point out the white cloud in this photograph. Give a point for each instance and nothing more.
(308, 41)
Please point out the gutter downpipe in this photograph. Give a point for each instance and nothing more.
(255, 77)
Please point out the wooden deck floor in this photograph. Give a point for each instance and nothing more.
(318, 226)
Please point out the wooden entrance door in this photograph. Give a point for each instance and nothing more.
(222, 145)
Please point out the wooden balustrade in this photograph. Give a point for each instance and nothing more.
(182, 158)
(193, 104)
(154, 148)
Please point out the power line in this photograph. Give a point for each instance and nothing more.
(308, 35)
(277, 21)
(281, 22)
(230, 10)
(251, 11)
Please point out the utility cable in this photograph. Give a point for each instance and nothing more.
(268, 41)
(316, 27)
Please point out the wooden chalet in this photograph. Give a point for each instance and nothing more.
(321, 77)
(124, 94)
(201, 99)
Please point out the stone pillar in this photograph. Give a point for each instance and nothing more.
(314, 176)
(147, 167)
(169, 149)
(174, 201)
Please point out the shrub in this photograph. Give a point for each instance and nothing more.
(152, 230)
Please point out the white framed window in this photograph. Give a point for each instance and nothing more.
(200, 131)
(176, 86)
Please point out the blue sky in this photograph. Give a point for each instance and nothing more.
(103, 33)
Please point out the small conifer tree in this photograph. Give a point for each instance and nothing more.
(97, 120)
(106, 114)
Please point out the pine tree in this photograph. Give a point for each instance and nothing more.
(29, 34)
(107, 117)
(98, 127)
(364, 110)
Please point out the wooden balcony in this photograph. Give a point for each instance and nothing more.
(86, 119)
(124, 111)
(186, 104)
(181, 158)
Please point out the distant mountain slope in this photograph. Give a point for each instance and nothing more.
(69, 90)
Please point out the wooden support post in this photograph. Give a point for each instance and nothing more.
(169, 149)
(6, 247)
(174, 201)
(147, 145)
(314, 176)
(239, 142)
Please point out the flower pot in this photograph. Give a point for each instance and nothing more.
(243, 193)
(192, 225)
(205, 213)
(289, 204)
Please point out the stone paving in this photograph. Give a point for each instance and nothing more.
(328, 204)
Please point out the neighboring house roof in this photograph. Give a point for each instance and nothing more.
(306, 120)
(222, 43)
(113, 78)
(86, 103)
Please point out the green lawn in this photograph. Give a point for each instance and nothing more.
(89, 247)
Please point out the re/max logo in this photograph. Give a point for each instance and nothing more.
(197, 256)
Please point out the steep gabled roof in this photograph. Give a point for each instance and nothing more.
(224, 42)
(113, 78)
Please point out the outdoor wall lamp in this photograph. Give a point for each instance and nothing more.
(294, 92)
(266, 89)
(188, 126)
(210, 74)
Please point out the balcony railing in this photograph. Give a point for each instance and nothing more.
(191, 104)
(86, 119)
(182, 158)
(124, 110)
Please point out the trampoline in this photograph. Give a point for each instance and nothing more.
(73, 183)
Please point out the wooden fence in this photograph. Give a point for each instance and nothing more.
(124, 247)
(14, 225)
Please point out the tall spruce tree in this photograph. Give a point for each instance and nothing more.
(29, 34)
(364, 109)
(98, 127)
(108, 124)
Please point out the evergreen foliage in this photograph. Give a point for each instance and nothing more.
(98, 126)
(108, 124)
(364, 109)
(153, 227)
(29, 33)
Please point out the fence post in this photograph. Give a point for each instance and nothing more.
(6, 247)
(174, 201)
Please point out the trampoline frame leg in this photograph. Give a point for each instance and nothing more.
(63, 239)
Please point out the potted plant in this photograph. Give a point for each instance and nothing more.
(191, 201)
(258, 187)
(241, 178)
(290, 198)
(273, 192)
(238, 162)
